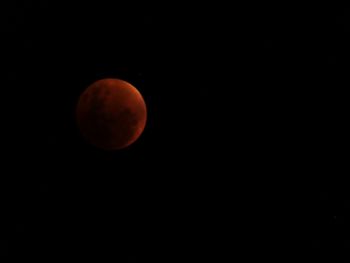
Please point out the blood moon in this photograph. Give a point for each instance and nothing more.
(111, 114)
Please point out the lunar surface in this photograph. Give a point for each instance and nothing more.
(111, 114)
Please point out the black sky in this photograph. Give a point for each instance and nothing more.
(245, 148)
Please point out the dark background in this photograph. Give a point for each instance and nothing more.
(245, 148)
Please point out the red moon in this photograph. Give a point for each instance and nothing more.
(111, 114)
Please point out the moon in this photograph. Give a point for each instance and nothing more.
(111, 114)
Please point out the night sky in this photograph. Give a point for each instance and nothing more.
(244, 153)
